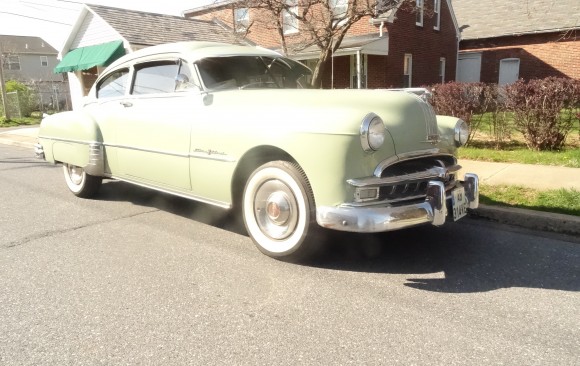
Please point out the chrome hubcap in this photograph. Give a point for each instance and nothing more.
(275, 209)
(76, 174)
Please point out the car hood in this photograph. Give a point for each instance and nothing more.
(407, 117)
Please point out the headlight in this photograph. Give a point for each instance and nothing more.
(461, 133)
(372, 133)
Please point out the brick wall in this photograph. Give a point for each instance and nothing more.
(541, 55)
(426, 44)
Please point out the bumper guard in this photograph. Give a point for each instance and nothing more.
(373, 219)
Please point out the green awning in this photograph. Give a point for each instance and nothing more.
(86, 57)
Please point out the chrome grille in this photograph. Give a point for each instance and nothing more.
(408, 180)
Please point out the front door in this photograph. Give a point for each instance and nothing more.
(154, 129)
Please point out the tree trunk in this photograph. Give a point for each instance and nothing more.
(323, 59)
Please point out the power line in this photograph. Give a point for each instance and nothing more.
(29, 3)
(29, 17)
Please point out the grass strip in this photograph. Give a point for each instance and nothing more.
(564, 201)
(567, 158)
(15, 122)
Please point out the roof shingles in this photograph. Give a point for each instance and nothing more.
(496, 18)
(152, 29)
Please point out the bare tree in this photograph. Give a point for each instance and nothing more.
(320, 23)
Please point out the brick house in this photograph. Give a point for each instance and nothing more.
(398, 49)
(532, 39)
(102, 34)
(30, 61)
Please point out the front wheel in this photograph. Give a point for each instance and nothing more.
(279, 211)
(79, 182)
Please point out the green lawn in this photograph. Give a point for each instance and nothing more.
(513, 150)
(565, 201)
(14, 122)
(516, 154)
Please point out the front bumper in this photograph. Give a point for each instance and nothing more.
(373, 219)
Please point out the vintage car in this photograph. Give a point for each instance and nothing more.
(236, 127)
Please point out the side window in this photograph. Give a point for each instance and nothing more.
(156, 77)
(113, 85)
(407, 70)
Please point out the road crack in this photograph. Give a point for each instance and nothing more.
(47, 234)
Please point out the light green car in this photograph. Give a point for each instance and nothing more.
(234, 127)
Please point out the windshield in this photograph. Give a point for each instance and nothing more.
(252, 72)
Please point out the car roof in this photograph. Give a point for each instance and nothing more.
(196, 50)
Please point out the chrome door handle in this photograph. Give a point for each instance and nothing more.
(126, 104)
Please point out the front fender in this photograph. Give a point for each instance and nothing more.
(446, 125)
(72, 138)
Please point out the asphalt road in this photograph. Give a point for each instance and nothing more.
(137, 278)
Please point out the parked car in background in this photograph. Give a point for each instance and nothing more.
(236, 127)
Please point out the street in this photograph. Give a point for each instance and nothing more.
(138, 277)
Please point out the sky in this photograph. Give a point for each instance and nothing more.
(52, 20)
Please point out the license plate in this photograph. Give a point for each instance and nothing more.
(459, 201)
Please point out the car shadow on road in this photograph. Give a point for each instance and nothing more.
(471, 255)
(204, 213)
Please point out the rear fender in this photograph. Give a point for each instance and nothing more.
(73, 138)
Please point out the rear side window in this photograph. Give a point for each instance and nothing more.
(158, 77)
(113, 85)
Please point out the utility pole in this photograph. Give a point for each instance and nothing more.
(3, 86)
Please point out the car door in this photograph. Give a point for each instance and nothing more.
(153, 132)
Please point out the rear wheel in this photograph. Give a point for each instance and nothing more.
(279, 212)
(79, 182)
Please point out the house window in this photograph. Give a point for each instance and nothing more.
(407, 70)
(339, 8)
(419, 10)
(44, 61)
(509, 71)
(12, 63)
(442, 69)
(290, 23)
(241, 19)
(437, 14)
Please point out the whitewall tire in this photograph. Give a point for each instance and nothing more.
(279, 212)
(79, 182)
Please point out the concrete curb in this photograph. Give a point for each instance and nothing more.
(530, 219)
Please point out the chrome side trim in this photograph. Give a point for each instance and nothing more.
(197, 154)
(83, 142)
(435, 172)
(212, 155)
(176, 193)
(96, 165)
(162, 152)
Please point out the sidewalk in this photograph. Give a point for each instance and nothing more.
(19, 136)
(526, 175)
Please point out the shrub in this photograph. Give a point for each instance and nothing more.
(544, 110)
(466, 100)
(26, 98)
